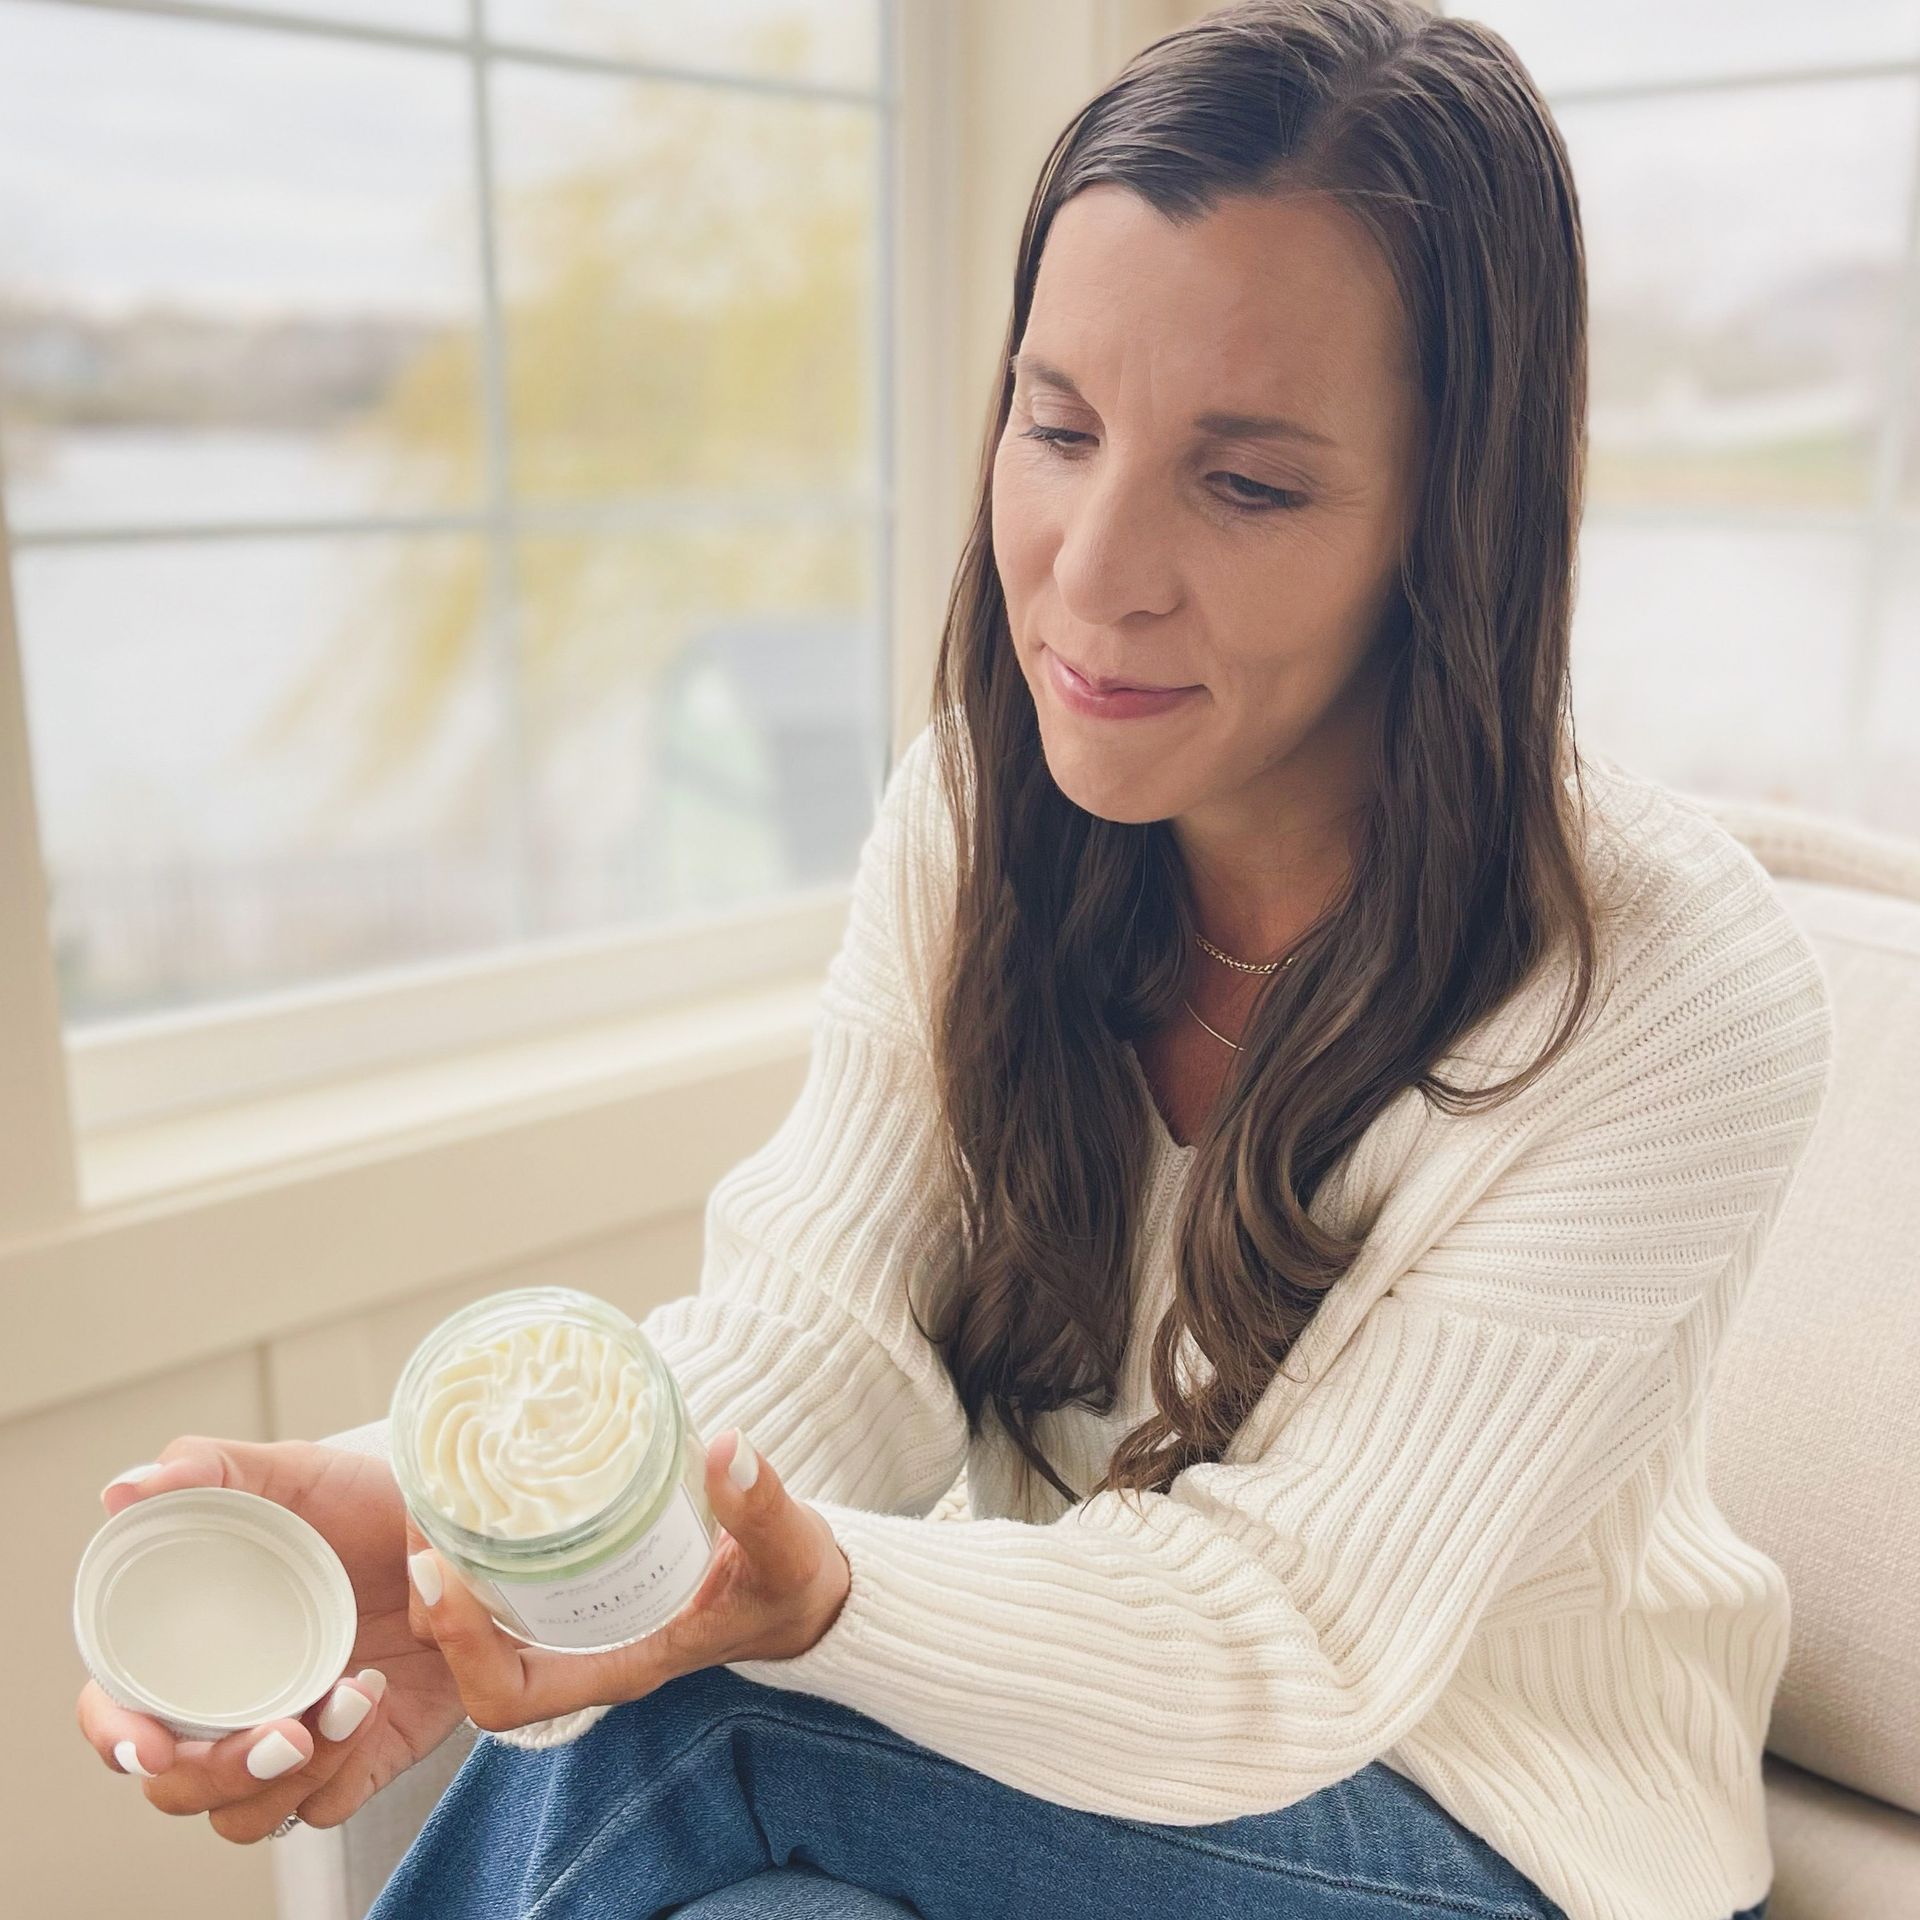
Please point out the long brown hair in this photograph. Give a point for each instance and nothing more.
(1070, 932)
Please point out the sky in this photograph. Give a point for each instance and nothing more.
(258, 171)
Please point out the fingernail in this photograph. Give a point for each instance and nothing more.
(128, 1756)
(426, 1575)
(273, 1755)
(744, 1468)
(344, 1711)
(132, 1474)
(374, 1681)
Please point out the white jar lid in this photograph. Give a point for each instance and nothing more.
(212, 1610)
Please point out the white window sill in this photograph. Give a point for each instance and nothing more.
(207, 1232)
(642, 1057)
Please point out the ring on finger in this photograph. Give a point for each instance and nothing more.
(286, 1826)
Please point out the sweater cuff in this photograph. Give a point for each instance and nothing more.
(560, 1731)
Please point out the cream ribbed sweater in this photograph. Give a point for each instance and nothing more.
(1466, 1532)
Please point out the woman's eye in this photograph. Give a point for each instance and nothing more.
(1264, 496)
(1052, 436)
(1259, 499)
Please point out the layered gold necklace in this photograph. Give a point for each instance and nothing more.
(1245, 966)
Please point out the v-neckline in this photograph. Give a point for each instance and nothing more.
(1163, 1138)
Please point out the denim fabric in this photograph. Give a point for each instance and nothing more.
(805, 1893)
(715, 1798)
(792, 1893)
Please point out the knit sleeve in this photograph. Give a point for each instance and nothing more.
(1268, 1626)
(799, 1330)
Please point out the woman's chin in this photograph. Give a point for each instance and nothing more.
(1130, 783)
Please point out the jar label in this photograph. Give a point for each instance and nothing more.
(622, 1598)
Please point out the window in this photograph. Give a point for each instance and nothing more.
(1748, 618)
(446, 476)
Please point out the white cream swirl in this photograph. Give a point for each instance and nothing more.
(535, 1429)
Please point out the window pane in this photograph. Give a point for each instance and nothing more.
(1625, 40)
(1718, 660)
(1744, 257)
(239, 282)
(830, 41)
(1893, 710)
(237, 272)
(721, 336)
(707, 714)
(259, 762)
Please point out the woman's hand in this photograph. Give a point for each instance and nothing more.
(329, 1768)
(775, 1586)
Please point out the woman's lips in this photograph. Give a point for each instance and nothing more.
(1124, 703)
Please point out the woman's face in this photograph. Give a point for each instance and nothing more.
(1160, 541)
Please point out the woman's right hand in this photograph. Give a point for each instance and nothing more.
(353, 1501)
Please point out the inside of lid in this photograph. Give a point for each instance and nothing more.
(214, 1624)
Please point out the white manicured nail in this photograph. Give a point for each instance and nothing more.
(273, 1755)
(344, 1711)
(374, 1681)
(134, 1473)
(744, 1468)
(426, 1575)
(129, 1757)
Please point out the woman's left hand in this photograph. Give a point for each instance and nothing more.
(775, 1586)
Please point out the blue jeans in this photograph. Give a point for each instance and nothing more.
(715, 1798)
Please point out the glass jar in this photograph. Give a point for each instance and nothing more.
(543, 1446)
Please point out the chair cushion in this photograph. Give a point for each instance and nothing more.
(1814, 1414)
(1837, 1855)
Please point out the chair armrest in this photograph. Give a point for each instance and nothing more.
(371, 1438)
(336, 1873)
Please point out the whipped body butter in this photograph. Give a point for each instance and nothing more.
(543, 1447)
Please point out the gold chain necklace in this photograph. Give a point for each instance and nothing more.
(1245, 966)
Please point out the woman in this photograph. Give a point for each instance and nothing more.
(1295, 1139)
